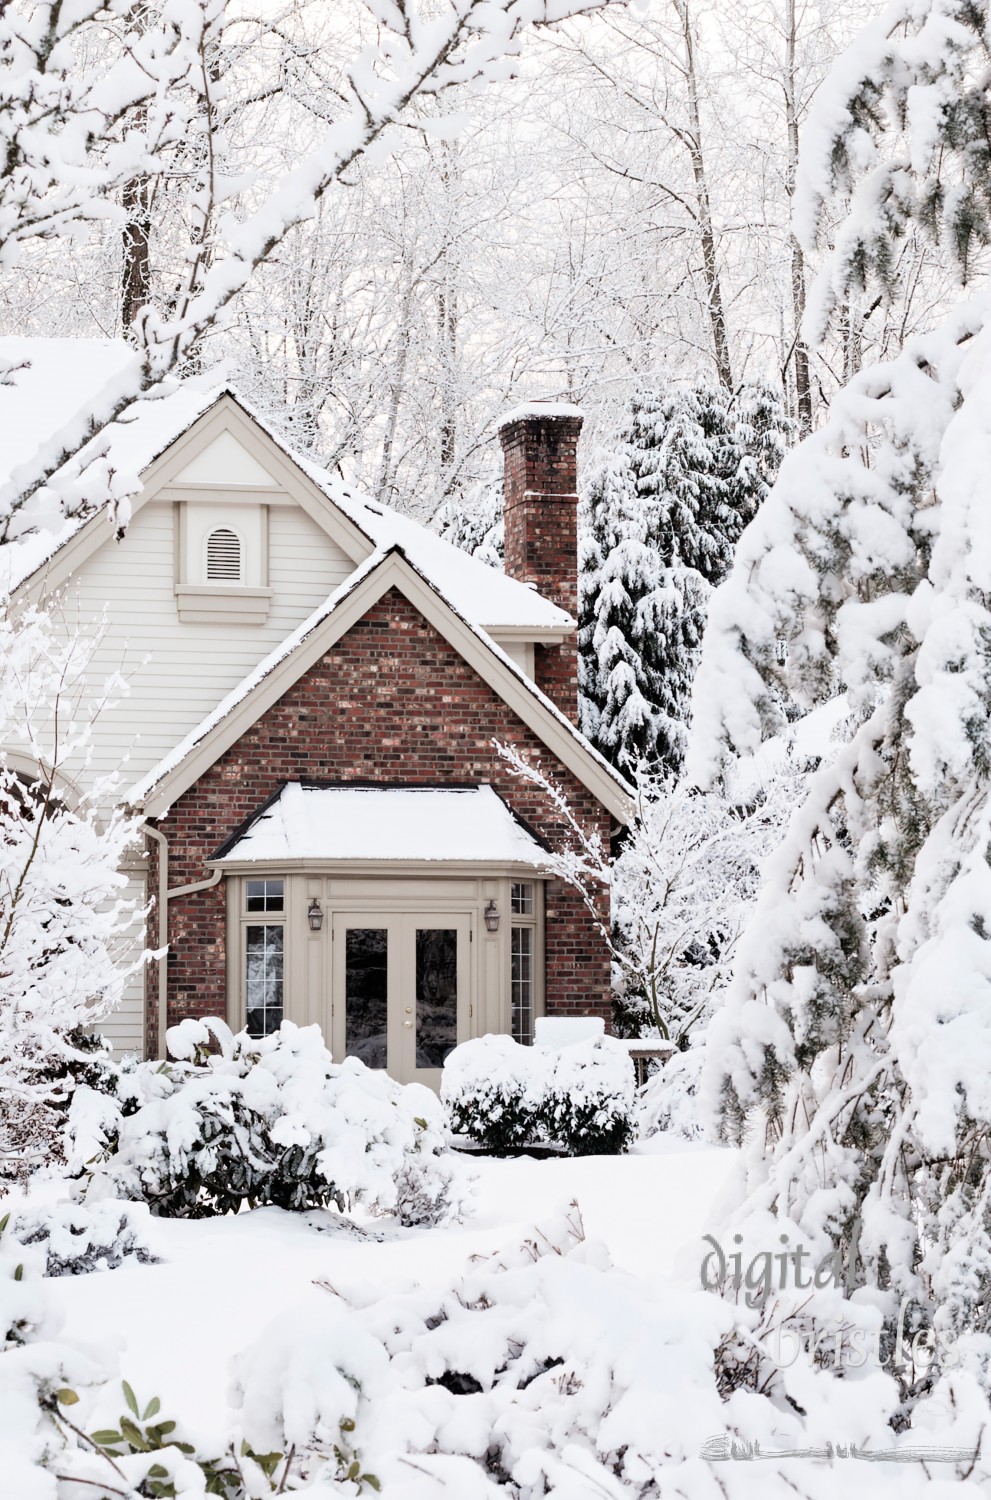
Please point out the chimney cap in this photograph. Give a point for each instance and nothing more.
(540, 409)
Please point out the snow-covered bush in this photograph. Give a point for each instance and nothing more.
(81, 1237)
(544, 1370)
(274, 1120)
(668, 1101)
(493, 1090)
(504, 1095)
(589, 1097)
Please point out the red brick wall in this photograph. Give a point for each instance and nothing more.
(541, 513)
(390, 702)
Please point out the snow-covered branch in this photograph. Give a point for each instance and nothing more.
(76, 131)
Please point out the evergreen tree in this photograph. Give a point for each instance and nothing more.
(640, 623)
(474, 522)
(661, 517)
(855, 1050)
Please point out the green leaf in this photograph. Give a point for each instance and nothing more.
(372, 1482)
(419, 1120)
(65, 1397)
(130, 1398)
(164, 1427)
(152, 1409)
(105, 1437)
(134, 1435)
(158, 1471)
(354, 1470)
(19, 1273)
(4, 1222)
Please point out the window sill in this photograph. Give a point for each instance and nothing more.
(222, 604)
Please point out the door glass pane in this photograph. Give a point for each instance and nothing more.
(436, 994)
(263, 979)
(366, 993)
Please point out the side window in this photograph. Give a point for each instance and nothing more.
(263, 933)
(223, 556)
(522, 960)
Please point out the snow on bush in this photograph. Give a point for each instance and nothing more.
(274, 1121)
(669, 1099)
(78, 1237)
(504, 1095)
(545, 1370)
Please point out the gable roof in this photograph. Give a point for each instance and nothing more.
(264, 686)
(46, 397)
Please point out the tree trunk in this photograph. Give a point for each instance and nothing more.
(803, 385)
(135, 281)
(710, 259)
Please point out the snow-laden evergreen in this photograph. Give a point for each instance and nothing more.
(661, 516)
(640, 626)
(855, 1051)
(474, 522)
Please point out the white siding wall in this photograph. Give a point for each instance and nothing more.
(179, 671)
(125, 1028)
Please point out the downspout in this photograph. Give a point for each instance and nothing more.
(164, 897)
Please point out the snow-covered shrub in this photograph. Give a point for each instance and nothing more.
(493, 1090)
(589, 1099)
(504, 1095)
(81, 1237)
(274, 1121)
(668, 1101)
(545, 1370)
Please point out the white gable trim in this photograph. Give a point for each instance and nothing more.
(218, 733)
(159, 483)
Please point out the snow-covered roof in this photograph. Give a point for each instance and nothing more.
(53, 379)
(483, 594)
(309, 821)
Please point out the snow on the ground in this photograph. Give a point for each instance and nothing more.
(222, 1282)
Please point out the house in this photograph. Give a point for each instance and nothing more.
(318, 689)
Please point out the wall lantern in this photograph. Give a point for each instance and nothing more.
(314, 915)
(491, 915)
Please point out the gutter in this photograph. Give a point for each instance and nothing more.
(164, 897)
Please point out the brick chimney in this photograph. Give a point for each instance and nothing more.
(540, 451)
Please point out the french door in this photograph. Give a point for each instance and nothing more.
(401, 990)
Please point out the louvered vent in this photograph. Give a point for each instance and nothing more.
(223, 556)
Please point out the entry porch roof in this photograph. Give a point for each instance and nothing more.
(314, 821)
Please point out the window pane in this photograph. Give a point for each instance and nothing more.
(263, 979)
(521, 983)
(436, 994)
(521, 900)
(366, 994)
(265, 895)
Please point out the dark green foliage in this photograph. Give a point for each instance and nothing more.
(662, 515)
(504, 1119)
